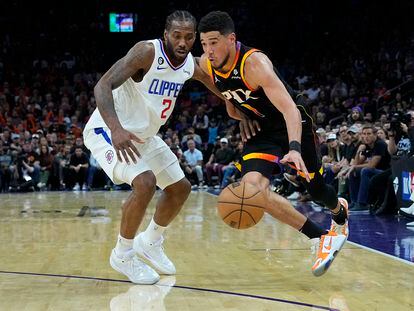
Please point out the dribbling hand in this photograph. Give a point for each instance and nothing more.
(248, 128)
(122, 142)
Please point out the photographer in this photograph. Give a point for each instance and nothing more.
(401, 143)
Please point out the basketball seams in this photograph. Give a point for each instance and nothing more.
(232, 201)
(236, 195)
(248, 213)
(241, 206)
(252, 195)
(237, 203)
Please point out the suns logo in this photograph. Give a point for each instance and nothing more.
(109, 155)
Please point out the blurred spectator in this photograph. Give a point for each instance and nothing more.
(45, 163)
(381, 195)
(191, 135)
(218, 161)
(372, 158)
(194, 158)
(200, 123)
(334, 160)
(356, 116)
(232, 172)
(78, 166)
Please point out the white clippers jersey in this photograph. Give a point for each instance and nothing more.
(144, 107)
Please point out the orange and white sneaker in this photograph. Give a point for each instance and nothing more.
(326, 248)
(341, 229)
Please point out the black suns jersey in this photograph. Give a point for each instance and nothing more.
(254, 103)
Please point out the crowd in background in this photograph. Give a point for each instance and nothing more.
(357, 98)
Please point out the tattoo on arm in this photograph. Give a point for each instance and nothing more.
(138, 57)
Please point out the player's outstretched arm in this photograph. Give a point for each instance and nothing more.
(259, 73)
(137, 61)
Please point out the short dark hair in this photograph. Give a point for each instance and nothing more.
(216, 21)
(369, 126)
(180, 16)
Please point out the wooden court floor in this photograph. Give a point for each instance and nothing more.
(52, 259)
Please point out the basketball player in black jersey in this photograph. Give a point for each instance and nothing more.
(252, 87)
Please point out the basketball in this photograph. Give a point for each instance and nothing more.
(241, 205)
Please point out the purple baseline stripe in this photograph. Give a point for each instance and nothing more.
(168, 60)
(175, 286)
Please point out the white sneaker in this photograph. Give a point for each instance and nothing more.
(76, 188)
(341, 229)
(137, 271)
(294, 196)
(325, 250)
(154, 253)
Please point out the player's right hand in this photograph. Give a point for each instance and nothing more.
(248, 128)
(122, 142)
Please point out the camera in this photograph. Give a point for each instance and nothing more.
(397, 119)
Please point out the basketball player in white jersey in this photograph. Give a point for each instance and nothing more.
(134, 98)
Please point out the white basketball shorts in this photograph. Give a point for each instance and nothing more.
(156, 156)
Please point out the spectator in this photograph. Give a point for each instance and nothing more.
(372, 158)
(200, 123)
(191, 135)
(381, 195)
(356, 116)
(232, 172)
(78, 166)
(334, 160)
(45, 163)
(218, 161)
(194, 159)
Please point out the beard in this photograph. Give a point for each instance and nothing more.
(171, 53)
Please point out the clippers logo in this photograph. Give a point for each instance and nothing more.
(109, 155)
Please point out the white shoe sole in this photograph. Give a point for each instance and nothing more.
(323, 268)
(143, 282)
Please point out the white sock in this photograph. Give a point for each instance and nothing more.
(123, 245)
(153, 232)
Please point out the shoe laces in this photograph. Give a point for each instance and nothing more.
(129, 255)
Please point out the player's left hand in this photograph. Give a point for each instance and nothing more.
(248, 128)
(295, 157)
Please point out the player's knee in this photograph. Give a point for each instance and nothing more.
(256, 179)
(144, 182)
(180, 190)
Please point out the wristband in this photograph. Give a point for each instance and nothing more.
(295, 145)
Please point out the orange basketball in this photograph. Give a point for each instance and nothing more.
(241, 205)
